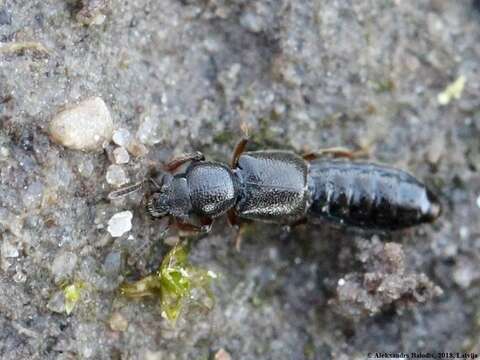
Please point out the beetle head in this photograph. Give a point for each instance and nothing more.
(158, 203)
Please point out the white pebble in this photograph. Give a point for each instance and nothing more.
(150, 131)
(116, 175)
(121, 155)
(85, 126)
(122, 137)
(9, 250)
(4, 152)
(478, 201)
(120, 223)
(463, 276)
(464, 232)
(341, 282)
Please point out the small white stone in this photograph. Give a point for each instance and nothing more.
(463, 276)
(341, 282)
(122, 137)
(116, 175)
(150, 132)
(4, 152)
(120, 223)
(85, 126)
(9, 250)
(121, 155)
(464, 232)
(478, 201)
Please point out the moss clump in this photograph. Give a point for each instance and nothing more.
(173, 283)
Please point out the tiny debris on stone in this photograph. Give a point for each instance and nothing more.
(137, 149)
(20, 275)
(117, 322)
(121, 156)
(85, 126)
(222, 354)
(93, 12)
(120, 223)
(453, 91)
(116, 176)
(465, 273)
(385, 282)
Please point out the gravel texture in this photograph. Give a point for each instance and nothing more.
(400, 77)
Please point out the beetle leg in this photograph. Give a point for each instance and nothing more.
(240, 228)
(337, 151)
(205, 227)
(298, 222)
(239, 237)
(175, 163)
(232, 218)
(237, 152)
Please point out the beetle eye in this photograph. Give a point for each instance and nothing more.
(166, 181)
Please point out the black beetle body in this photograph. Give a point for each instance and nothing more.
(282, 187)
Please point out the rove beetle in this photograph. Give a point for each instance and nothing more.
(282, 187)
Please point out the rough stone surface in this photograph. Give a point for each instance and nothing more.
(184, 75)
(85, 126)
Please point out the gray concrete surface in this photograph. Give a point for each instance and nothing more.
(183, 75)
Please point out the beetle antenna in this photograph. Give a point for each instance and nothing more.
(127, 190)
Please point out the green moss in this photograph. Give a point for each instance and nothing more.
(382, 86)
(172, 284)
(72, 294)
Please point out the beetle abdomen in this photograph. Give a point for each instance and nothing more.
(369, 196)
